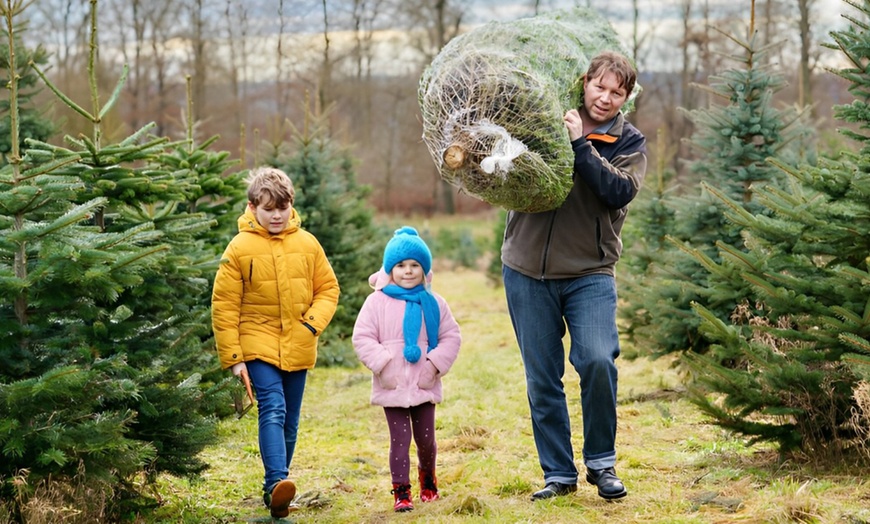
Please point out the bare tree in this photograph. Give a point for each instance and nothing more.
(436, 22)
(364, 16)
(325, 83)
(432, 23)
(66, 23)
(198, 50)
(153, 26)
(236, 19)
(805, 94)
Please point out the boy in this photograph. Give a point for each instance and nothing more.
(274, 294)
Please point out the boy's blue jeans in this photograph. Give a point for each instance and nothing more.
(540, 310)
(279, 401)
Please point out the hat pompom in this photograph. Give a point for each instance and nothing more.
(406, 230)
(406, 244)
(412, 353)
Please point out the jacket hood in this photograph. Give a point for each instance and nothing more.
(248, 224)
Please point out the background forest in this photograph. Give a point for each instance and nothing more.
(252, 64)
(129, 127)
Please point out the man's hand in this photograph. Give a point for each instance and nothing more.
(574, 124)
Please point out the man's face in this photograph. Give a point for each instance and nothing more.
(603, 97)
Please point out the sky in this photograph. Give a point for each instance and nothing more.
(662, 20)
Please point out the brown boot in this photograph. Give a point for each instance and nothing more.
(281, 497)
(402, 497)
(428, 486)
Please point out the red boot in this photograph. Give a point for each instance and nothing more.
(402, 495)
(428, 486)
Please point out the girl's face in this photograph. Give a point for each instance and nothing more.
(273, 218)
(407, 273)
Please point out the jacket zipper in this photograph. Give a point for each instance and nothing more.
(547, 244)
(251, 272)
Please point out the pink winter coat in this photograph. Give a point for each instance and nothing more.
(379, 344)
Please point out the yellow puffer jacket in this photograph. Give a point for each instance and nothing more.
(273, 296)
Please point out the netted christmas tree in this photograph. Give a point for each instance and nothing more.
(735, 136)
(493, 102)
(802, 337)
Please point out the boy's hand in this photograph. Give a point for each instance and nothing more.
(239, 368)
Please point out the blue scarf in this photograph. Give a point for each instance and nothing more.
(417, 298)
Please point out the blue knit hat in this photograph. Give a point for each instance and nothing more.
(407, 244)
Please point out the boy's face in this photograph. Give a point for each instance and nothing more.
(603, 97)
(407, 274)
(271, 217)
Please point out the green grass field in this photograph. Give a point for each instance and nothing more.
(678, 468)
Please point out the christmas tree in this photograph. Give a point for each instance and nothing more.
(799, 346)
(105, 276)
(734, 137)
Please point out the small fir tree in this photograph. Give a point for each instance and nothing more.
(735, 137)
(31, 121)
(645, 239)
(802, 339)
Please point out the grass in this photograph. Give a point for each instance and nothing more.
(678, 468)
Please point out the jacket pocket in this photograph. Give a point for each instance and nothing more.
(427, 376)
(388, 378)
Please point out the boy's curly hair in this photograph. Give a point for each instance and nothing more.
(270, 186)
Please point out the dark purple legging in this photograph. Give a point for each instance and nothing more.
(403, 422)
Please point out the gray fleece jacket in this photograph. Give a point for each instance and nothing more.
(582, 236)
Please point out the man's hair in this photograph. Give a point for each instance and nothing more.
(616, 63)
(270, 186)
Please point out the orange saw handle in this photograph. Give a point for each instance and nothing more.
(247, 381)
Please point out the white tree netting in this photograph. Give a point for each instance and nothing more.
(492, 103)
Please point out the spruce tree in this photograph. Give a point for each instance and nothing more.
(645, 239)
(734, 135)
(47, 249)
(802, 340)
(32, 122)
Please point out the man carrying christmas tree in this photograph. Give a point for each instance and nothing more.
(558, 270)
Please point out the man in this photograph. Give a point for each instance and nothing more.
(559, 272)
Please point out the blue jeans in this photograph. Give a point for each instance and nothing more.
(540, 310)
(279, 401)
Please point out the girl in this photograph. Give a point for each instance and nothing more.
(399, 318)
